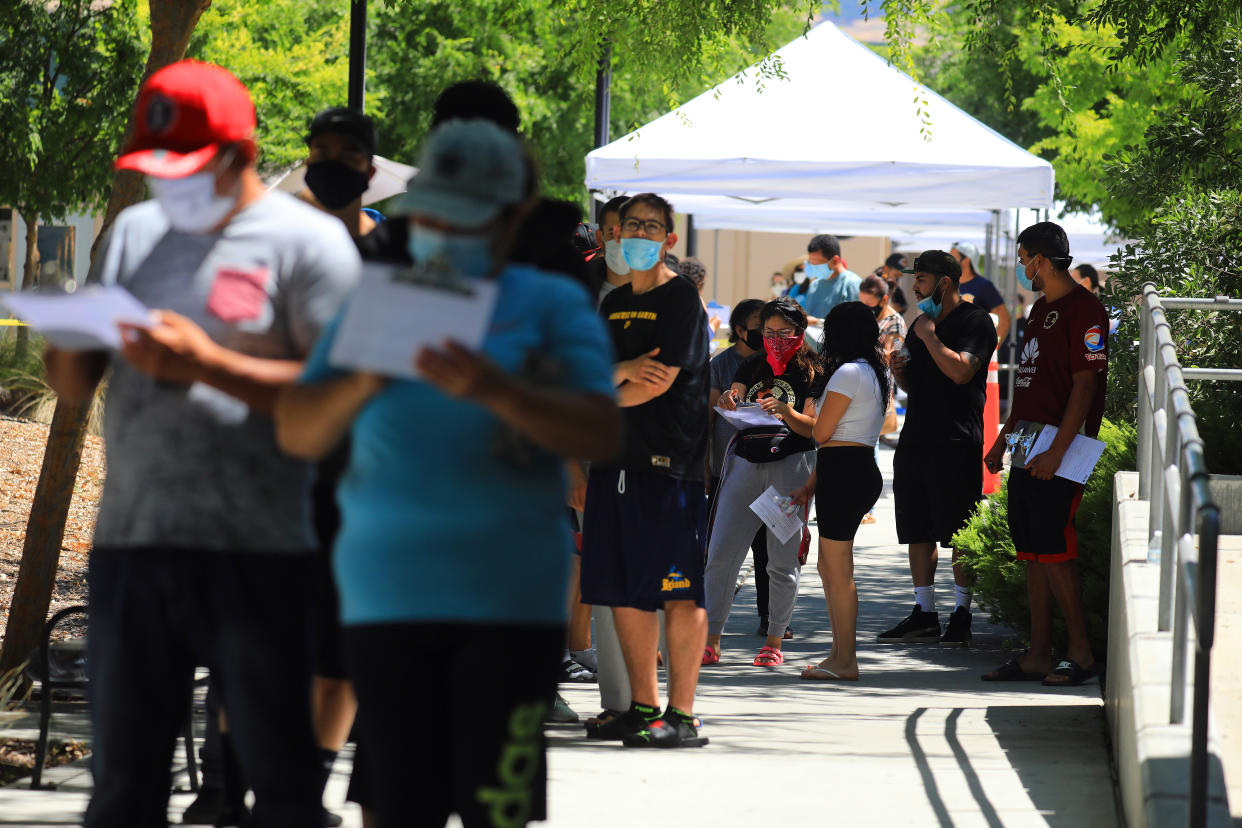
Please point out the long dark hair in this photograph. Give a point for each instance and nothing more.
(850, 333)
(788, 309)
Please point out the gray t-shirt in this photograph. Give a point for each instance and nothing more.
(191, 466)
(724, 368)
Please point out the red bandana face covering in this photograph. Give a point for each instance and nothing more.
(781, 350)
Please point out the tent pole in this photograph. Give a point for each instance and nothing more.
(357, 54)
(987, 252)
(692, 237)
(1012, 295)
(715, 264)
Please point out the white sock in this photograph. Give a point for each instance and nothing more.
(963, 596)
(925, 597)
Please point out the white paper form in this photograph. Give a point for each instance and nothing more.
(782, 525)
(748, 415)
(394, 312)
(85, 320)
(1080, 458)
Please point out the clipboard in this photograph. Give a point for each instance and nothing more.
(396, 310)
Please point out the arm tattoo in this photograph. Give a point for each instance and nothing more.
(973, 361)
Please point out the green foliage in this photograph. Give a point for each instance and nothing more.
(68, 75)
(544, 54)
(293, 55)
(1000, 579)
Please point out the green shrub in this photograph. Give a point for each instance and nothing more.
(1000, 579)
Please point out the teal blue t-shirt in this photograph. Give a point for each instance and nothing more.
(439, 522)
(826, 294)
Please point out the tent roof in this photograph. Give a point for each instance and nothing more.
(816, 216)
(843, 126)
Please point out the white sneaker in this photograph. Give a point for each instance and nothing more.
(586, 658)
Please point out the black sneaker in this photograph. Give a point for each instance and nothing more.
(671, 730)
(957, 631)
(919, 626)
(205, 808)
(573, 672)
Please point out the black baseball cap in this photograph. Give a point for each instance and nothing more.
(342, 120)
(937, 263)
(896, 262)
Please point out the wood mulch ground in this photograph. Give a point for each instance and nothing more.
(21, 456)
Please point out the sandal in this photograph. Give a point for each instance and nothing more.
(1074, 674)
(769, 657)
(710, 656)
(1011, 670)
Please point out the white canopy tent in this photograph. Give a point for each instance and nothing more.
(788, 139)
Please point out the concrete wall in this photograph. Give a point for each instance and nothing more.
(1152, 757)
(740, 263)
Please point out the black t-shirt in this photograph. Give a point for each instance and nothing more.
(791, 387)
(939, 410)
(669, 433)
(386, 243)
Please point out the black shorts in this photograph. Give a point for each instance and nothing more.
(935, 490)
(1041, 517)
(644, 540)
(848, 484)
(452, 733)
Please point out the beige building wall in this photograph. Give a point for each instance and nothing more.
(740, 263)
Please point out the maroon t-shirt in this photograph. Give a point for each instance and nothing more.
(1062, 338)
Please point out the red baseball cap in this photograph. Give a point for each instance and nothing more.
(185, 113)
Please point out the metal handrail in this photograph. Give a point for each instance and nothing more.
(1174, 479)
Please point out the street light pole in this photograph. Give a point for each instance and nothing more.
(603, 107)
(357, 54)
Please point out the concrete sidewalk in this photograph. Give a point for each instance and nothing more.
(920, 741)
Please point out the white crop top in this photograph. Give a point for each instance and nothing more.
(861, 422)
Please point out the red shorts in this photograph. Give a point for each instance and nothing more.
(1041, 517)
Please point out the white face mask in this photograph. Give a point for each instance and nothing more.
(614, 258)
(778, 290)
(799, 277)
(191, 203)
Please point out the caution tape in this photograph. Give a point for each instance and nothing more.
(10, 323)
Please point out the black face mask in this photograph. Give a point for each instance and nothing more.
(754, 339)
(875, 311)
(334, 184)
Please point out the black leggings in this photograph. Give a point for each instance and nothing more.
(848, 485)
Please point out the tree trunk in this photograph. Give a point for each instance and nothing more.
(172, 23)
(30, 274)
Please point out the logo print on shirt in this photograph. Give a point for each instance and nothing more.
(1051, 319)
(1094, 339)
(1030, 353)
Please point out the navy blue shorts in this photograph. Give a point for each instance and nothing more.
(644, 539)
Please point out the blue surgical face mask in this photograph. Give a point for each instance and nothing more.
(468, 254)
(614, 258)
(817, 271)
(1023, 279)
(641, 254)
(931, 305)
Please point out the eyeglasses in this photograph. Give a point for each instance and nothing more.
(649, 228)
(783, 333)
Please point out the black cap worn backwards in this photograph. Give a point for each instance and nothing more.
(344, 121)
(896, 262)
(937, 263)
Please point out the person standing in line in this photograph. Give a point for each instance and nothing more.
(1087, 276)
(846, 481)
(201, 511)
(801, 284)
(340, 164)
(483, 422)
(832, 283)
(937, 473)
(644, 529)
(784, 382)
(891, 272)
(979, 290)
(746, 334)
(1062, 377)
(874, 294)
(608, 236)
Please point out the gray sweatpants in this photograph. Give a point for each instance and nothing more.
(733, 528)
